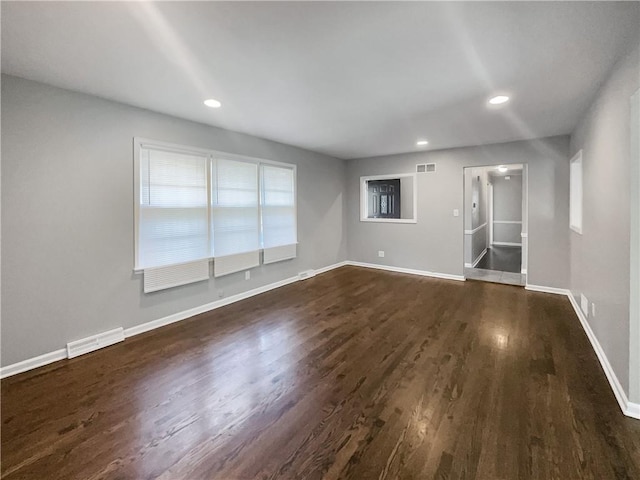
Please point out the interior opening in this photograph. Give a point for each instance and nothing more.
(495, 224)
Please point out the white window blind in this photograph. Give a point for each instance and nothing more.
(193, 205)
(173, 225)
(279, 235)
(235, 211)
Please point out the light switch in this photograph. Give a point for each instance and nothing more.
(456, 212)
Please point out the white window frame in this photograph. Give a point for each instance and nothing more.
(576, 185)
(364, 198)
(139, 142)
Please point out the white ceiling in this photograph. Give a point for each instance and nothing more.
(346, 79)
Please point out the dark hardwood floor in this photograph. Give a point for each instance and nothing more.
(353, 374)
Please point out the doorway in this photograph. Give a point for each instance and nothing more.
(495, 224)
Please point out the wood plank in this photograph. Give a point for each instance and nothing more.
(353, 374)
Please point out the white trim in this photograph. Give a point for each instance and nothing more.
(411, 271)
(479, 227)
(542, 288)
(364, 198)
(523, 271)
(331, 267)
(62, 354)
(507, 221)
(176, 317)
(31, 363)
(211, 156)
(633, 410)
(94, 342)
(634, 252)
(389, 220)
(477, 260)
(628, 408)
(507, 244)
(576, 210)
(524, 235)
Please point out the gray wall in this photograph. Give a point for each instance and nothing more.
(67, 216)
(435, 243)
(600, 256)
(475, 185)
(507, 205)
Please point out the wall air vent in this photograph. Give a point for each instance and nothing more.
(426, 167)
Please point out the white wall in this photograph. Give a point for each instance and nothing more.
(67, 216)
(435, 243)
(600, 257)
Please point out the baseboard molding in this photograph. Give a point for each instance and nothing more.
(62, 354)
(507, 244)
(411, 271)
(176, 317)
(31, 363)
(633, 410)
(477, 260)
(628, 408)
(94, 342)
(331, 267)
(541, 288)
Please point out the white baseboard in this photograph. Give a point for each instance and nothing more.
(207, 307)
(62, 354)
(477, 260)
(94, 342)
(541, 288)
(507, 244)
(633, 410)
(331, 267)
(31, 363)
(411, 271)
(628, 408)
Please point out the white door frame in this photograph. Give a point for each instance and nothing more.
(634, 298)
(525, 212)
(490, 211)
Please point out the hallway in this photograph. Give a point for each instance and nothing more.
(503, 258)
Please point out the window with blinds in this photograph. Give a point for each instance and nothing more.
(173, 224)
(194, 205)
(235, 215)
(279, 233)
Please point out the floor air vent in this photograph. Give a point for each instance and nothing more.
(89, 344)
(306, 274)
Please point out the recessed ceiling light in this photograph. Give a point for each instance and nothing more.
(498, 100)
(213, 103)
(421, 143)
(502, 168)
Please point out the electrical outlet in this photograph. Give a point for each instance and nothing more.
(220, 293)
(584, 305)
(381, 253)
(593, 309)
(456, 212)
(247, 275)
